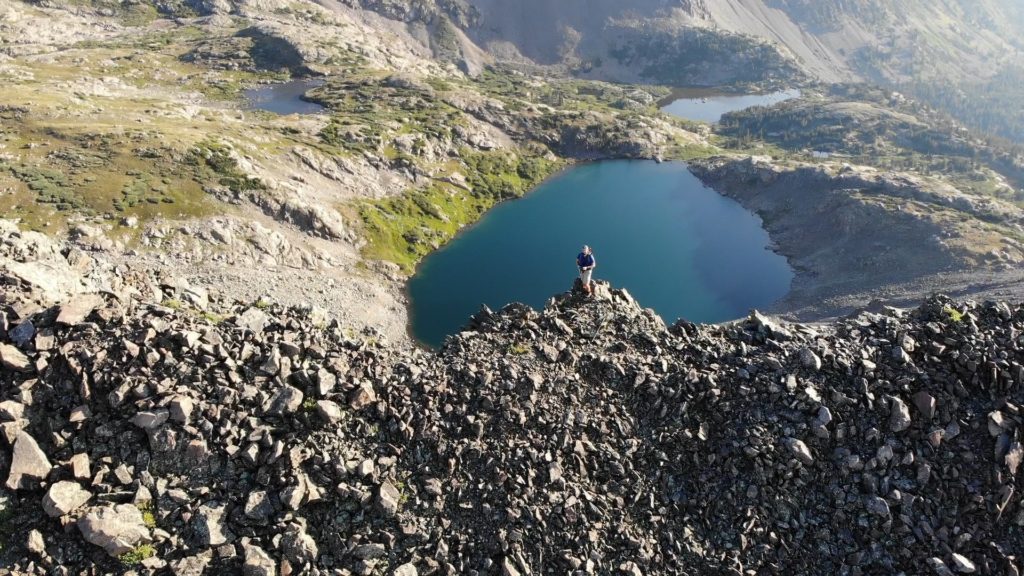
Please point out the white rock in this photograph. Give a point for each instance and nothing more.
(13, 359)
(963, 565)
(329, 411)
(64, 498)
(406, 570)
(799, 449)
(181, 409)
(35, 543)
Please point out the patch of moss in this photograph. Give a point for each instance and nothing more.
(137, 555)
(687, 152)
(954, 314)
(519, 348)
(148, 513)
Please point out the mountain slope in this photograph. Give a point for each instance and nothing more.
(888, 40)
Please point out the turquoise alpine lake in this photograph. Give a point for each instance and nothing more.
(709, 105)
(677, 246)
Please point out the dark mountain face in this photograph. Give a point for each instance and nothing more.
(547, 31)
(829, 38)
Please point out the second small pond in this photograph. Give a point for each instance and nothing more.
(285, 98)
(709, 105)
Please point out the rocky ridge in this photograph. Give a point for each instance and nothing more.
(587, 437)
(840, 225)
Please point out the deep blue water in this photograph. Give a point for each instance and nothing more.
(708, 106)
(284, 98)
(677, 246)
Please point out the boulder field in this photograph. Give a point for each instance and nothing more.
(585, 438)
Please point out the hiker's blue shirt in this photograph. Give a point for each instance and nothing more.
(585, 260)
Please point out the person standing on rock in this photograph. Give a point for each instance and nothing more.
(586, 263)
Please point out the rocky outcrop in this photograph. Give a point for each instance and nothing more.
(588, 437)
(32, 263)
(855, 233)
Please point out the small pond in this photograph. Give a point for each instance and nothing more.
(676, 245)
(285, 98)
(709, 105)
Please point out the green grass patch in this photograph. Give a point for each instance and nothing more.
(213, 317)
(217, 157)
(406, 228)
(369, 111)
(50, 186)
(689, 151)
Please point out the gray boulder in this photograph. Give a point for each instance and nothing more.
(899, 420)
(362, 396)
(64, 498)
(13, 359)
(78, 309)
(287, 400)
(209, 527)
(117, 529)
(28, 462)
(298, 546)
(799, 449)
(258, 563)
